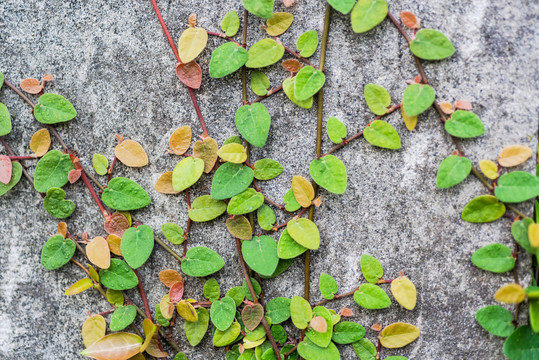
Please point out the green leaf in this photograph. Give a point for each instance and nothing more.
(534, 314)
(259, 83)
(237, 294)
(256, 287)
(517, 186)
(288, 248)
(307, 43)
(484, 208)
(366, 14)
(186, 173)
(56, 205)
(267, 169)
(124, 194)
(230, 24)
(371, 268)
(496, 320)
(1, 79)
(336, 130)
(377, 98)
(52, 170)
(308, 82)
(182, 356)
(264, 53)
(253, 123)
(417, 98)
(282, 266)
(195, 330)
(57, 252)
(16, 173)
(159, 316)
(522, 344)
(231, 179)
(452, 171)
(364, 349)
(342, 6)
(497, 258)
(301, 312)
(431, 45)
(119, 276)
(246, 202)
(279, 334)
(5, 120)
(464, 124)
(233, 140)
(100, 163)
(211, 290)
(304, 232)
(226, 59)
(288, 88)
(322, 339)
(222, 313)
(519, 230)
(204, 208)
(261, 8)
(260, 254)
(173, 233)
(348, 332)
(53, 108)
(137, 245)
(201, 261)
(310, 351)
(278, 310)
(330, 173)
(290, 202)
(380, 133)
(328, 286)
(122, 317)
(224, 338)
(240, 227)
(266, 217)
(371, 297)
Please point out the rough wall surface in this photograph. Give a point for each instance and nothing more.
(111, 60)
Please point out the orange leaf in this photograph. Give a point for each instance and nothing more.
(318, 201)
(192, 20)
(190, 74)
(176, 292)
(318, 323)
(288, 3)
(40, 142)
(447, 108)
(463, 105)
(131, 153)
(346, 312)
(98, 252)
(180, 140)
(291, 65)
(116, 224)
(117, 346)
(409, 20)
(164, 184)
(114, 242)
(170, 277)
(31, 86)
(74, 175)
(47, 77)
(5, 169)
(79, 286)
(514, 155)
(62, 229)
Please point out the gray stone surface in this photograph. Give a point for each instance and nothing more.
(111, 60)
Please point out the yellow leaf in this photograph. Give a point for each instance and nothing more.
(191, 44)
(489, 169)
(131, 153)
(98, 252)
(79, 286)
(186, 311)
(149, 329)
(533, 234)
(114, 242)
(514, 155)
(510, 294)
(62, 229)
(234, 153)
(409, 121)
(166, 307)
(278, 23)
(303, 190)
(93, 329)
(93, 274)
(139, 356)
(180, 140)
(164, 184)
(40, 142)
(115, 297)
(398, 335)
(404, 292)
(207, 151)
(117, 346)
(252, 344)
(169, 277)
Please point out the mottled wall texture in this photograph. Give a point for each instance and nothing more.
(111, 59)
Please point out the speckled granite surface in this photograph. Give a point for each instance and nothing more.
(113, 62)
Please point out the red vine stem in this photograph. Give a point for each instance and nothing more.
(93, 193)
(24, 157)
(340, 296)
(221, 35)
(298, 56)
(25, 173)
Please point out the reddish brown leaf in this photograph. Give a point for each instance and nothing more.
(252, 315)
(31, 86)
(116, 224)
(190, 74)
(318, 323)
(463, 105)
(346, 312)
(5, 169)
(176, 292)
(409, 20)
(291, 65)
(74, 175)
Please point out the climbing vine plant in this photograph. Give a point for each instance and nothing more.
(239, 318)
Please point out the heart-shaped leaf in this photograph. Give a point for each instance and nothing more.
(124, 194)
(192, 43)
(380, 133)
(417, 98)
(288, 88)
(201, 261)
(496, 320)
(131, 153)
(304, 232)
(404, 292)
(301, 312)
(371, 268)
(53, 108)
(207, 151)
(343, 6)
(308, 82)
(318, 333)
(497, 258)
(278, 23)
(328, 286)
(251, 316)
(336, 130)
(514, 155)
(303, 190)
(180, 140)
(56, 205)
(119, 276)
(261, 8)
(40, 142)
(93, 329)
(226, 59)
(186, 173)
(222, 313)
(371, 296)
(137, 245)
(330, 173)
(98, 252)
(195, 330)
(517, 186)
(240, 227)
(347, 332)
(452, 171)
(288, 248)
(122, 317)
(224, 338)
(266, 217)
(116, 224)
(260, 254)
(100, 163)
(246, 202)
(234, 153)
(267, 169)
(484, 208)
(57, 252)
(5, 169)
(278, 310)
(211, 290)
(190, 74)
(253, 123)
(377, 98)
(204, 208)
(366, 14)
(431, 45)
(307, 43)
(230, 24)
(52, 171)
(464, 124)
(231, 179)
(259, 83)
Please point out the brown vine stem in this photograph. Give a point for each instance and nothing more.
(340, 296)
(221, 35)
(188, 229)
(320, 109)
(255, 299)
(23, 157)
(270, 92)
(177, 55)
(18, 92)
(292, 52)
